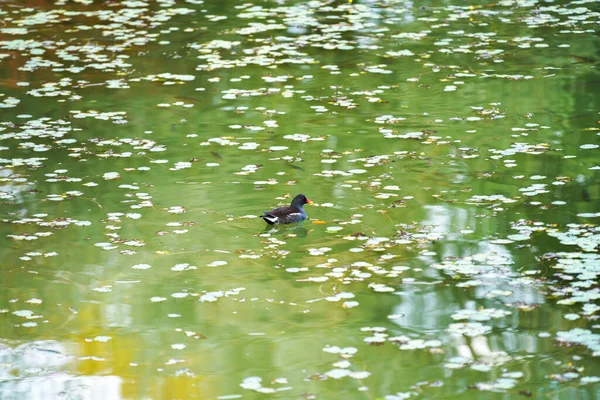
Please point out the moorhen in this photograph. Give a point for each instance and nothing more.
(287, 215)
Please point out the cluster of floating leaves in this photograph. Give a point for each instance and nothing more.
(343, 367)
(484, 314)
(403, 342)
(255, 383)
(480, 269)
(581, 337)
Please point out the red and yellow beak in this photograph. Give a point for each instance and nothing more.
(309, 201)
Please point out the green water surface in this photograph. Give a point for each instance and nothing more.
(451, 151)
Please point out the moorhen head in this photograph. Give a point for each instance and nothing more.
(287, 215)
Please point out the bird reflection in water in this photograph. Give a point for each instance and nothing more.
(295, 230)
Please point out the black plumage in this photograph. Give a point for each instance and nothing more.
(287, 215)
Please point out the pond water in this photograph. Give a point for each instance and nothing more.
(451, 151)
